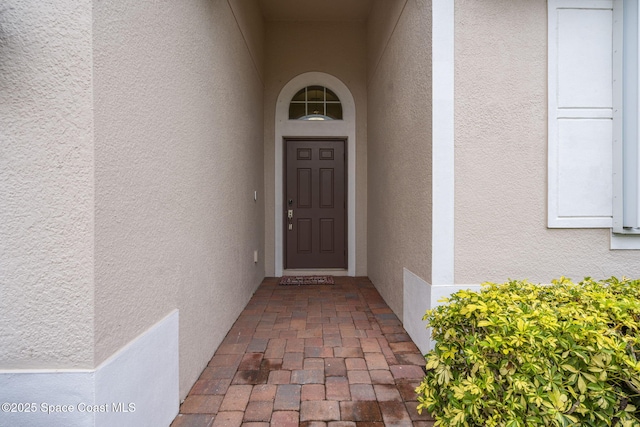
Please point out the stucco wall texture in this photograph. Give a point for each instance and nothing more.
(288, 54)
(399, 147)
(46, 185)
(501, 155)
(178, 130)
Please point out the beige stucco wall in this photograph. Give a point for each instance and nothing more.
(501, 155)
(335, 48)
(399, 161)
(178, 130)
(46, 185)
(381, 23)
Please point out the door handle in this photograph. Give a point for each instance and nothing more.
(290, 213)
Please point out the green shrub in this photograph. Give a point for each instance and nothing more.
(519, 354)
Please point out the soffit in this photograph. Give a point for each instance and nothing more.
(315, 10)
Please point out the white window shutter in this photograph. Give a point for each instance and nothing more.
(626, 145)
(580, 114)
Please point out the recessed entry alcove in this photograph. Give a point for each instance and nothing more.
(316, 110)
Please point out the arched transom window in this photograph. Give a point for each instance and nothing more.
(315, 103)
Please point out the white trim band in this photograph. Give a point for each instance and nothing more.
(136, 387)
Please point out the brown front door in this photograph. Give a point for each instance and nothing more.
(315, 209)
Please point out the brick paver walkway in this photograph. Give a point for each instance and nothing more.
(332, 355)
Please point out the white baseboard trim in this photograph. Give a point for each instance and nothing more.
(137, 386)
(32, 393)
(143, 377)
(416, 301)
(418, 297)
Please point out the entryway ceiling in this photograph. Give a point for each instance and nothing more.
(315, 10)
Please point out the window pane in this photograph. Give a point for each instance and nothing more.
(315, 103)
(334, 111)
(299, 96)
(331, 96)
(315, 108)
(296, 111)
(315, 93)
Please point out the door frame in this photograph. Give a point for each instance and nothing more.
(330, 129)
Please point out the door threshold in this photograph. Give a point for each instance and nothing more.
(316, 272)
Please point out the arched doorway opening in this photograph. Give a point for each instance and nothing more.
(287, 129)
